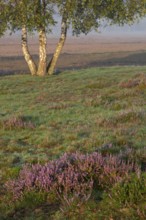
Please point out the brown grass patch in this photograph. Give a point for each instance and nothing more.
(17, 122)
(138, 80)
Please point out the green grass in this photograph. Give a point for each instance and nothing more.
(80, 110)
(74, 111)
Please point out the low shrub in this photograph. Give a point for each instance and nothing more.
(130, 83)
(123, 116)
(130, 115)
(131, 191)
(17, 122)
(139, 80)
(126, 200)
(72, 177)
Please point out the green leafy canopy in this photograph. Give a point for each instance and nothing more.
(82, 15)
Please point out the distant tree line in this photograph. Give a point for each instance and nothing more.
(82, 16)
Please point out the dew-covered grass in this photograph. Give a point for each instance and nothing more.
(97, 109)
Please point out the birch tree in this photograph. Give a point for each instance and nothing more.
(3, 17)
(87, 15)
(82, 16)
(32, 16)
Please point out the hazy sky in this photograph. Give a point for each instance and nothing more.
(137, 29)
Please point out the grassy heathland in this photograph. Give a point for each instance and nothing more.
(87, 110)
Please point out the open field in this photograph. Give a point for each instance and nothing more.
(102, 50)
(88, 110)
(94, 109)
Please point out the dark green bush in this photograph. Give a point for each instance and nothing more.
(132, 191)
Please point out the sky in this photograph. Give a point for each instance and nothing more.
(137, 28)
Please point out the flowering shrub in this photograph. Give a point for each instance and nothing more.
(72, 177)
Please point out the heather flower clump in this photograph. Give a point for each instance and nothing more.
(72, 177)
(17, 122)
